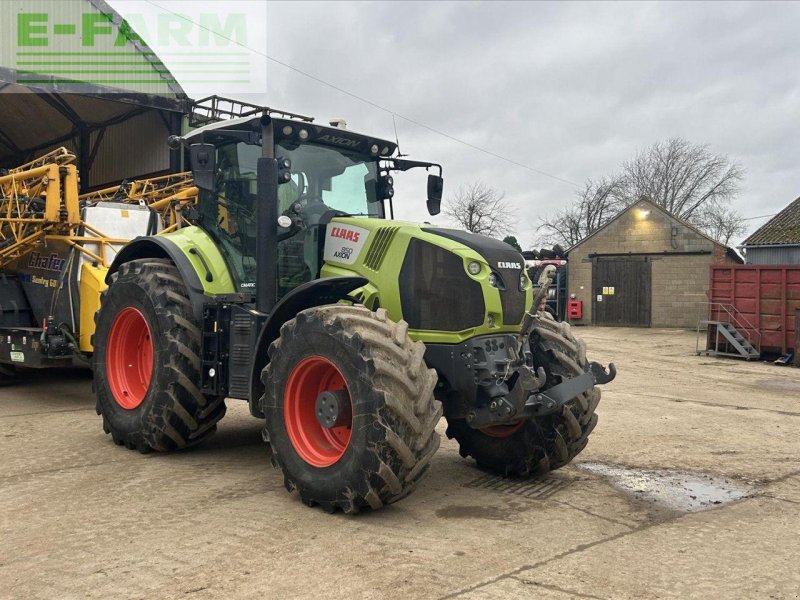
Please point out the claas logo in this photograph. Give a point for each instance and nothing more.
(345, 234)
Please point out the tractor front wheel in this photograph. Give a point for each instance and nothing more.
(349, 408)
(147, 361)
(536, 446)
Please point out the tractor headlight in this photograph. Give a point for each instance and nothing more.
(492, 280)
(522, 281)
(474, 267)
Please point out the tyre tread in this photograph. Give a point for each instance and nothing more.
(182, 416)
(409, 413)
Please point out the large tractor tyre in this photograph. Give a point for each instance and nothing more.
(538, 445)
(366, 375)
(147, 361)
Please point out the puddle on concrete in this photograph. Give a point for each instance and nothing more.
(673, 490)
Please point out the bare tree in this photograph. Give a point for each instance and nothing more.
(680, 177)
(480, 209)
(595, 205)
(685, 179)
(721, 222)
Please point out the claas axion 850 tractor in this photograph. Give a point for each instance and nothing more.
(348, 333)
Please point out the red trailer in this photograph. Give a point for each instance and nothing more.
(766, 297)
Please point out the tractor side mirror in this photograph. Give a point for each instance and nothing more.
(435, 188)
(203, 157)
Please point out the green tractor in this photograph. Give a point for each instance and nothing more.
(349, 334)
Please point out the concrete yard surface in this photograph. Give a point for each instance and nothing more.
(689, 488)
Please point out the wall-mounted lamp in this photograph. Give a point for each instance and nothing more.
(643, 213)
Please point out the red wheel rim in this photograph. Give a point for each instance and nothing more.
(502, 431)
(317, 445)
(129, 358)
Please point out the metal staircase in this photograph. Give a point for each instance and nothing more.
(728, 333)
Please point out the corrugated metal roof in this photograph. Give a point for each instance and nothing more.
(783, 228)
(33, 120)
(114, 60)
(135, 147)
(54, 94)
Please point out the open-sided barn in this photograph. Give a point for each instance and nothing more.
(54, 92)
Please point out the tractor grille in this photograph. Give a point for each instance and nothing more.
(435, 291)
(379, 247)
(512, 299)
(496, 253)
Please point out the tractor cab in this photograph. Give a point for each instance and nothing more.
(323, 173)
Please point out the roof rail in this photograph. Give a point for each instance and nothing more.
(217, 108)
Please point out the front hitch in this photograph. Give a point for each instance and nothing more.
(600, 374)
(540, 402)
(552, 399)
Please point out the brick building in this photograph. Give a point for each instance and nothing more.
(645, 268)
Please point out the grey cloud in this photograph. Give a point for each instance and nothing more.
(569, 88)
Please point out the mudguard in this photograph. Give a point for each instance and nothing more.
(162, 247)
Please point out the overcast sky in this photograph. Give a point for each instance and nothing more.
(570, 89)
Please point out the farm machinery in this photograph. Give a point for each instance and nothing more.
(271, 274)
(55, 250)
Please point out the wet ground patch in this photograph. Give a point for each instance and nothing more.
(672, 490)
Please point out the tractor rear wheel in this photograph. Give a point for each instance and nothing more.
(536, 446)
(147, 361)
(349, 407)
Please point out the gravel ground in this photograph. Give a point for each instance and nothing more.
(82, 518)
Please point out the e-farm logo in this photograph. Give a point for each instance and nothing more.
(79, 47)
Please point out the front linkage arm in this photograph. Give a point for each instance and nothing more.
(551, 400)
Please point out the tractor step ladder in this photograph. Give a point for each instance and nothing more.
(729, 334)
